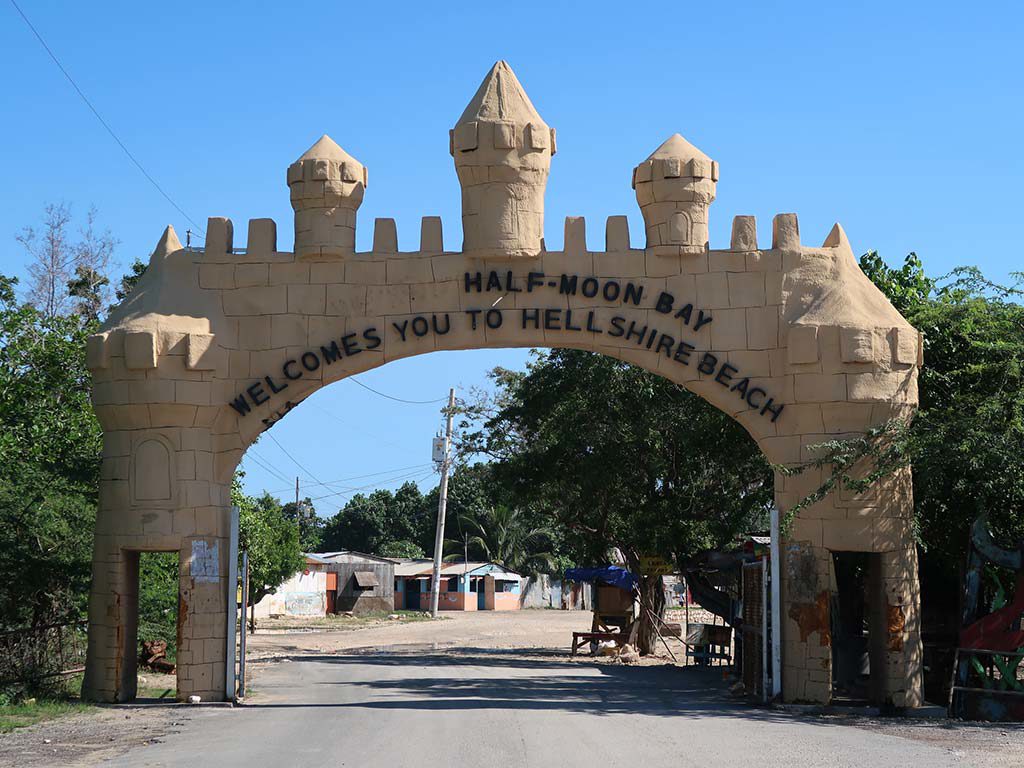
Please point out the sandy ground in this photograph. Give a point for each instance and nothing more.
(489, 655)
(545, 629)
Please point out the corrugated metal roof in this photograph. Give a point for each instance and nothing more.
(426, 568)
(331, 557)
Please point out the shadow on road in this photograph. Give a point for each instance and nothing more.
(527, 679)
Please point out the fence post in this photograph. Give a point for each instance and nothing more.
(232, 608)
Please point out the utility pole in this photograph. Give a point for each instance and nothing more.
(298, 509)
(442, 504)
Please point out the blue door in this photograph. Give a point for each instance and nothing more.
(412, 594)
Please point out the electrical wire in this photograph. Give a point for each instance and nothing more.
(406, 476)
(102, 121)
(340, 420)
(396, 399)
(294, 460)
(266, 466)
(349, 507)
(328, 483)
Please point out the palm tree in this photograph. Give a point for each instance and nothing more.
(503, 535)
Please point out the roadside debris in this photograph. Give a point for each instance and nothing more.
(154, 657)
(628, 654)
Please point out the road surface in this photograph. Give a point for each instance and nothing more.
(469, 699)
(494, 690)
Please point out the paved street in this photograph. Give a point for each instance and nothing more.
(410, 705)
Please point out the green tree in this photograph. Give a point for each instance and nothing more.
(361, 525)
(473, 490)
(310, 524)
(88, 287)
(966, 443)
(270, 539)
(504, 535)
(128, 282)
(383, 522)
(158, 599)
(49, 464)
(401, 549)
(615, 456)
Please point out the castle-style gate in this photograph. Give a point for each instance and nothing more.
(215, 345)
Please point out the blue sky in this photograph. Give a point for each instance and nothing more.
(901, 120)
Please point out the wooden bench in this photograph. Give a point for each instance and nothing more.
(579, 639)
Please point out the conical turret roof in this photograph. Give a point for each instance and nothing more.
(675, 146)
(501, 97)
(327, 149)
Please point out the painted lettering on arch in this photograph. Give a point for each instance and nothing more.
(603, 294)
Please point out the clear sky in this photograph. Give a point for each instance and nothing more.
(901, 120)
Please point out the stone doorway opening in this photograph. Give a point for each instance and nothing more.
(150, 610)
(857, 628)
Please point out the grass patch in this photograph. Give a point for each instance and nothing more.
(21, 708)
(30, 712)
(340, 622)
(153, 685)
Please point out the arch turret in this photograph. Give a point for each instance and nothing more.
(502, 150)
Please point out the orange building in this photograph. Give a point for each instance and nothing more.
(464, 586)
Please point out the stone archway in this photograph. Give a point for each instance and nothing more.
(217, 344)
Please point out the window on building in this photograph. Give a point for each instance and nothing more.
(365, 580)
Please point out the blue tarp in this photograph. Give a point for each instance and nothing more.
(607, 574)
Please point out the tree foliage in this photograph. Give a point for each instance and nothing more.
(966, 443)
(311, 526)
(620, 457)
(506, 536)
(49, 464)
(615, 456)
(403, 521)
(64, 269)
(270, 538)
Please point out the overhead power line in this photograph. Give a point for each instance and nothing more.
(362, 432)
(294, 460)
(396, 399)
(103, 122)
(265, 465)
(349, 507)
(407, 476)
(329, 483)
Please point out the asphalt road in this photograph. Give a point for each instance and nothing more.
(487, 707)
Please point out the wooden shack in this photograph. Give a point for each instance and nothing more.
(358, 582)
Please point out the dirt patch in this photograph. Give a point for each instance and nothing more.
(504, 629)
(993, 745)
(88, 738)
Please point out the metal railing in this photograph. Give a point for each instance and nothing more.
(39, 653)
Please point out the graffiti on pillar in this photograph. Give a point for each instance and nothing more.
(204, 565)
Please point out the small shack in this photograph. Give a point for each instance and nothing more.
(472, 586)
(358, 582)
(304, 594)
